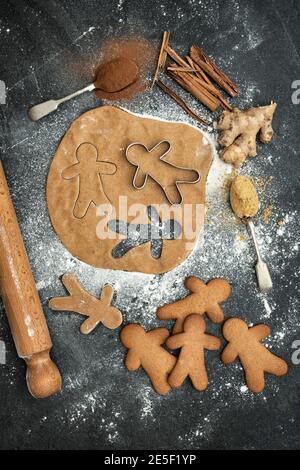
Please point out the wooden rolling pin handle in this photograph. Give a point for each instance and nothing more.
(22, 304)
(43, 377)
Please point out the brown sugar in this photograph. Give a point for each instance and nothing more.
(267, 212)
(243, 197)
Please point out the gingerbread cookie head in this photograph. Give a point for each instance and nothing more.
(235, 329)
(96, 203)
(87, 151)
(132, 335)
(194, 323)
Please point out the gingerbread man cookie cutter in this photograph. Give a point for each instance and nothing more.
(88, 169)
(171, 190)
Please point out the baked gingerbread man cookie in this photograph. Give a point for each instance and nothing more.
(204, 298)
(145, 350)
(245, 343)
(191, 363)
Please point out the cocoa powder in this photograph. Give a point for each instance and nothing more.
(116, 75)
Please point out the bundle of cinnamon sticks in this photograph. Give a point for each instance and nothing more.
(196, 74)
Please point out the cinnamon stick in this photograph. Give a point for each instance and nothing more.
(181, 69)
(176, 57)
(214, 91)
(206, 83)
(205, 63)
(180, 102)
(192, 86)
(165, 45)
(199, 72)
(162, 55)
(204, 90)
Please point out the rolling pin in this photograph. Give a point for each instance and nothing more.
(22, 304)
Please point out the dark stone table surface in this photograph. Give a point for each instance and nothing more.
(48, 49)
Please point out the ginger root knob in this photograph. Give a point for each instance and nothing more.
(238, 130)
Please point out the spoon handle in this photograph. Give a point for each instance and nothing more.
(43, 109)
(262, 272)
(76, 93)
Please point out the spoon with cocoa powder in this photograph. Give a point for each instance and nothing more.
(245, 204)
(114, 76)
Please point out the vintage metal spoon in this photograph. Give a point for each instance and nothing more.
(245, 204)
(40, 110)
(262, 272)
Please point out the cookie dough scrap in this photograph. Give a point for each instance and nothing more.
(204, 298)
(191, 362)
(80, 301)
(244, 343)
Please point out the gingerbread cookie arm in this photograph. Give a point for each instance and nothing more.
(72, 285)
(170, 311)
(178, 311)
(229, 354)
(77, 301)
(159, 335)
(276, 366)
(215, 313)
(106, 168)
(70, 172)
(194, 284)
(221, 289)
(132, 361)
(172, 193)
(254, 377)
(60, 303)
(65, 303)
(211, 342)
(107, 294)
(260, 331)
(140, 179)
(175, 341)
(178, 374)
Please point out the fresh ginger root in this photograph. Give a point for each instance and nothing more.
(239, 130)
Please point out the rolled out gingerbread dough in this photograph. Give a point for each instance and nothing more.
(90, 168)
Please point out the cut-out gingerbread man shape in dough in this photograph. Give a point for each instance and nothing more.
(152, 162)
(204, 298)
(256, 359)
(145, 351)
(191, 361)
(80, 301)
(88, 170)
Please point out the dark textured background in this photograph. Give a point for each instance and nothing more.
(47, 49)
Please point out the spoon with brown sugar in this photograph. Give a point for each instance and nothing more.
(110, 77)
(245, 204)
